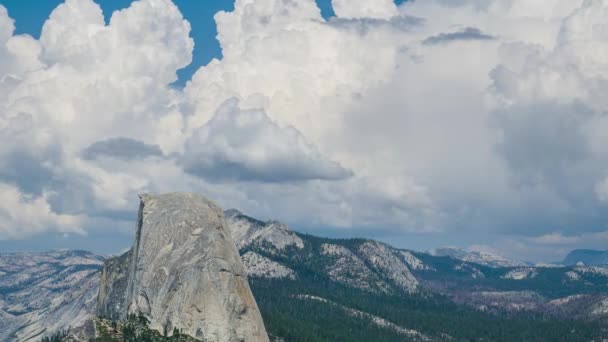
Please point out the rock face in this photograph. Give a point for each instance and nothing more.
(183, 272)
(385, 261)
(43, 293)
(521, 273)
(477, 257)
(343, 264)
(415, 263)
(113, 288)
(260, 266)
(271, 236)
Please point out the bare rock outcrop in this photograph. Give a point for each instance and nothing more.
(183, 272)
(45, 293)
(112, 299)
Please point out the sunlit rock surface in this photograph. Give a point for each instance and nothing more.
(478, 257)
(260, 266)
(386, 261)
(42, 293)
(184, 272)
(271, 235)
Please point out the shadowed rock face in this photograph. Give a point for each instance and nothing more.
(112, 299)
(183, 271)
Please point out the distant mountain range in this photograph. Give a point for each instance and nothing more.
(587, 257)
(46, 292)
(305, 285)
(478, 257)
(310, 288)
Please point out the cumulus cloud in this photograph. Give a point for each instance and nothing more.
(379, 9)
(23, 216)
(27, 154)
(296, 60)
(550, 109)
(371, 120)
(76, 35)
(81, 83)
(240, 144)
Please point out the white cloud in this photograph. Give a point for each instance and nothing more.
(148, 39)
(501, 131)
(241, 144)
(23, 216)
(286, 52)
(378, 9)
(85, 82)
(550, 110)
(555, 239)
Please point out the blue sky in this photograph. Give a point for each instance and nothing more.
(29, 20)
(426, 124)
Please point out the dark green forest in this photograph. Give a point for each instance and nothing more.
(294, 319)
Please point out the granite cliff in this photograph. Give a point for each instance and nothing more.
(182, 272)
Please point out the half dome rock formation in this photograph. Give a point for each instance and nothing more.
(182, 272)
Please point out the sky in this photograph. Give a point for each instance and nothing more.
(29, 20)
(469, 123)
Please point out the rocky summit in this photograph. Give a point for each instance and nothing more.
(183, 272)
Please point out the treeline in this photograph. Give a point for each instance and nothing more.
(135, 329)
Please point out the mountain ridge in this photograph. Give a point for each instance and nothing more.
(478, 257)
(519, 289)
(317, 287)
(588, 257)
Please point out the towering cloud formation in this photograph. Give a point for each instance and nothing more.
(381, 9)
(246, 145)
(456, 116)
